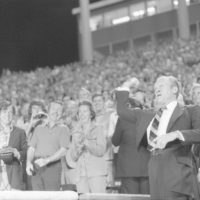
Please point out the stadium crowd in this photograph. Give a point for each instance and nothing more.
(69, 113)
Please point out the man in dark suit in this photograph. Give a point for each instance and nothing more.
(171, 170)
(13, 141)
(132, 163)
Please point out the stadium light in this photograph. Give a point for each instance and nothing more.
(151, 10)
(138, 13)
(175, 2)
(121, 20)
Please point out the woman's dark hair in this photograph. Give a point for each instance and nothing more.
(35, 103)
(89, 105)
(5, 104)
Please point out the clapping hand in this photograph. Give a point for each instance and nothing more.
(79, 141)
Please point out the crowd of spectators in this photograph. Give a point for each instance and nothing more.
(76, 83)
(180, 58)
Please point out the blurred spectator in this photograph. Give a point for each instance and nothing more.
(195, 94)
(70, 114)
(13, 142)
(102, 117)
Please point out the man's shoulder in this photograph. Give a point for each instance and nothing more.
(62, 128)
(192, 108)
(18, 130)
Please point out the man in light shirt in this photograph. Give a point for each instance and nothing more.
(171, 170)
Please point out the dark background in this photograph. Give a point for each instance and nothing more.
(37, 33)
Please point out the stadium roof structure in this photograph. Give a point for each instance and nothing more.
(97, 5)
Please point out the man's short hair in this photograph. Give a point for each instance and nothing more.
(173, 80)
(195, 86)
(36, 103)
(58, 102)
(98, 95)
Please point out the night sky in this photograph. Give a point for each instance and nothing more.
(37, 33)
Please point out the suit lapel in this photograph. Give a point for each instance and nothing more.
(12, 138)
(143, 124)
(178, 111)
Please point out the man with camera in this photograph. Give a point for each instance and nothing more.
(48, 144)
(13, 147)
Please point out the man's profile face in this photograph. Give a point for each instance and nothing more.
(36, 109)
(196, 96)
(55, 112)
(98, 103)
(163, 91)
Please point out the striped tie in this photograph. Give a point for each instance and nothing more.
(154, 127)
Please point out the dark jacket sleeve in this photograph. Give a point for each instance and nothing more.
(123, 111)
(193, 135)
(23, 145)
(116, 138)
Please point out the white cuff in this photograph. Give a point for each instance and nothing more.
(180, 136)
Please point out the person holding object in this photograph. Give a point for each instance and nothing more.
(13, 147)
(168, 134)
(48, 144)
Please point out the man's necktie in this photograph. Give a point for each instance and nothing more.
(154, 127)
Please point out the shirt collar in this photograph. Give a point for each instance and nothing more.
(172, 105)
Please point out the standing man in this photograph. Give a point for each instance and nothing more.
(12, 141)
(168, 135)
(48, 144)
(132, 162)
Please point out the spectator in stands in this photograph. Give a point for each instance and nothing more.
(89, 146)
(12, 141)
(131, 166)
(70, 114)
(84, 95)
(48, 144)
(195, 93)
(36, 115)
(102, 117)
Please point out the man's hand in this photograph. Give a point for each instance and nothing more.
(41, 162)
(29, 168)
(198, 175)
(133, 82)
(16, 153)
(163, 140)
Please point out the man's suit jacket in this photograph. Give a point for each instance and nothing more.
(15, 170)
(131, 162)
(177, 173)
